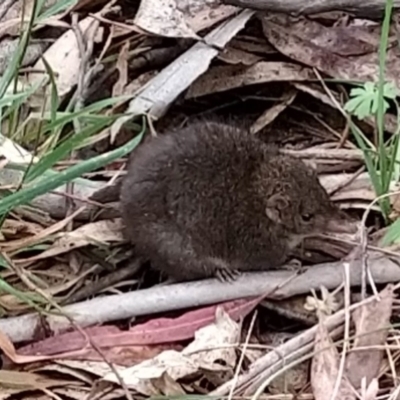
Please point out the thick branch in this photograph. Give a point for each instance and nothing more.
(200, 293)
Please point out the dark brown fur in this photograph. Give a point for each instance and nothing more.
(211, 199)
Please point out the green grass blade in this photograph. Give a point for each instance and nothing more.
(13, 67)
(392, 235)
(57, 8)
(54, 103)
(384, 172)
(376, 182)
(65, 118)
(61, 151)
(46, 184)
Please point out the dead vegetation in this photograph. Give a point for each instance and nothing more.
(82, 320)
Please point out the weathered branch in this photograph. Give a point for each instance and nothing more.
(368, 8)
(278, 284)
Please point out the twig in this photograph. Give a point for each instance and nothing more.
(342, 364)
(239, 365)
(268, 367)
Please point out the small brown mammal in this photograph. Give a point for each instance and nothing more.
(213, 200)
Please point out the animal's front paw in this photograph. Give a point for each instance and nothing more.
(227, 275)
(222, 270)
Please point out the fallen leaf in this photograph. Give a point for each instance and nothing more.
(174, 18)
(154, 332)
(372, 322)
(163, 17)
(27, 380)
(233, 56)
(103, 232)
(223, 78)
(211, 343)
(12, 245)
(325, 367)
(122, 67)
(64, 58)
(160, 374)
(341, 54)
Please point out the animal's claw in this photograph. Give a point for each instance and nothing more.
(227, 275)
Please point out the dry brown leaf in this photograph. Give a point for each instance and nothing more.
(154, 376)
(341, 40)
(222, 78)
(341, 53)
(18, 244)
(233, 56)
(145, 377)
(27, 380)
(104, 232)
(156, 97)
(223, 331)
(325, 368)
(372, 322)
(12, 227)
(122, 67)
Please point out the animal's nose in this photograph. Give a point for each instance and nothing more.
(342, 225)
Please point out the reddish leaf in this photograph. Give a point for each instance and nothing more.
(157, 331)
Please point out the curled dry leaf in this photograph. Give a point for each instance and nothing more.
(372, 322)
(156, 376)
(223, 332)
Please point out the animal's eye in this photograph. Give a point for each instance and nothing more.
(307, 217)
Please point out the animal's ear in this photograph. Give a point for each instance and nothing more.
(276, 206)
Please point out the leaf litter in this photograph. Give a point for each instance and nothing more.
(176, 60)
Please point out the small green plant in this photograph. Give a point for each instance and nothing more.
(364, 100)
(382, 158)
